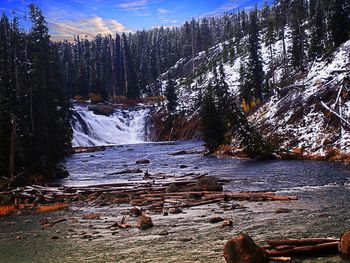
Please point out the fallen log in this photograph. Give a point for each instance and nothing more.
(281, 259)
(300, 242)
(325, 248)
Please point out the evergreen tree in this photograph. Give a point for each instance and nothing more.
(298, 13)
(339, 23)
(170, 94)
(131, 83)
(317, 40)
(252, 87)
(212, 125)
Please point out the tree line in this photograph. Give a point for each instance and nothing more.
(35, 130)
(131, 64)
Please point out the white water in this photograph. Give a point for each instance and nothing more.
(122, 127)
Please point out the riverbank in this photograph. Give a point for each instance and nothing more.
(86, 234)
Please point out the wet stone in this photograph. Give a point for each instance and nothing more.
(163, 233)
(216, 219)
(175, 210)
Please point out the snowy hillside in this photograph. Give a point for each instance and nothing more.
(301, 113)
(297, 113)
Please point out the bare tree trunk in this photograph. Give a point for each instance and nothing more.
(272, 67)
(12, 148)
(284, 53)
(125, 75)
(113, 86)
(193, 51)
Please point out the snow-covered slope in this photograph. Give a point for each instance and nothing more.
(299, 112)
(302, 115)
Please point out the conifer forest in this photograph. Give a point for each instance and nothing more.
(175, 131)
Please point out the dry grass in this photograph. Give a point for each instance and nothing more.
(7, 209)
(51, 208)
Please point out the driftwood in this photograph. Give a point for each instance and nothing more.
(301, 247)
(325, 248)
(148, 194)
(300, 242)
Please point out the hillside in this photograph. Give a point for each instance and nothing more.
(296, 112)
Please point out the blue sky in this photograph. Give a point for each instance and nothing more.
(67, 18)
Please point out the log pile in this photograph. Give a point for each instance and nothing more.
(235, 250)
(155, 193)
(301, 247)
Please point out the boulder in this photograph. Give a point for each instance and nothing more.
(175, 210)
(207, 183)
(144, 222)
(344, 244)
(135, 211)
(143, 161)
(101, 109)
(216, 219)
(242, 249)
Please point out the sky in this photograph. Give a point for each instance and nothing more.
(67, 18)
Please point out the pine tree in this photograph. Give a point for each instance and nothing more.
(131, 83)
(297, 50)
(170, 94)
(212, 125)
(317, 41)
(253, 84)
(339, 23)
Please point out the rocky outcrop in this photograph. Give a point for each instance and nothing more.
(181, 128)
(207, 183)
(101, 109)
(344, 244)
(242, 249)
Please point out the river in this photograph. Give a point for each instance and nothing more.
(322, 209)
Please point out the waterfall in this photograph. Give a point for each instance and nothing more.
(121, 127)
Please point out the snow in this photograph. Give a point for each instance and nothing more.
(297, 116)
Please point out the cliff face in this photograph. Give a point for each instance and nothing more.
(180, 128)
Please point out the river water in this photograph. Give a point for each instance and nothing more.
(323, 188)
(322, 209)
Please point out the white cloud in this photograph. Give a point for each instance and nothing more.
(168, 21)
(133, 5)
(89, 27)
(139, 7)
(163, 11)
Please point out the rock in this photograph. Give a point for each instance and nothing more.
(283, 210)
(179, 153)
(242, 249)
(163, 233)
(175, 210)
(143, 161)
(172, 188)
(237, 206)
(207, 183)
(165, 213)
(54, 237)
(216, 219)
(227, 222)
(183, 166)
(101, 109)
(344, 244)
(86, 236)
(144, 222)
(91, 216)
(186, 239)
(127, 171)
(135, 211)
